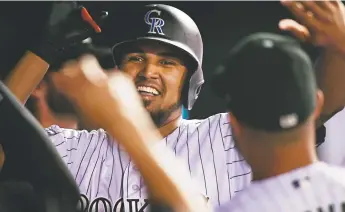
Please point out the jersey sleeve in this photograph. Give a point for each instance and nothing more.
(77, 146)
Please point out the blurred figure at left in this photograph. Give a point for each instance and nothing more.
(49, 108)
(46, 103)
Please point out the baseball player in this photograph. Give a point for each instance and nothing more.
(277, 137)
(50, 107)
(168, 179)
(163, 56)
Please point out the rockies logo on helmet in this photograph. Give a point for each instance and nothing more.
(155, 23)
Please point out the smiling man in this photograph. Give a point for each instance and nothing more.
(159, 71)
(163, 55)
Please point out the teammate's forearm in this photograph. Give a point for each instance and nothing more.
(27, 74)
(330, 74)
(165, 176)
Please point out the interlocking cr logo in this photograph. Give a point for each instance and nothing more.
(155, 23)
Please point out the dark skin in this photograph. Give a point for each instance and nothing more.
(159, 66)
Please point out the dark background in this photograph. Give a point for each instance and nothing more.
(221, 25)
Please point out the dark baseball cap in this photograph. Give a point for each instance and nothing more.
(268, 82)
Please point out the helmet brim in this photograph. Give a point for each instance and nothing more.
(117, 47)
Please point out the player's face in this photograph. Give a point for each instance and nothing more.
(158, 73)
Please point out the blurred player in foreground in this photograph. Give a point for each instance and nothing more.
(277, 136)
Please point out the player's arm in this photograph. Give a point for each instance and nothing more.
(166, 177)
(323, 26)
(123, 116)
(59, 35)
(26, 75)
(330, 73)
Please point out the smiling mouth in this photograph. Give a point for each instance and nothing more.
(147, 91)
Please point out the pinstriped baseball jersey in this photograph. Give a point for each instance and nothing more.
(315, 188)
(102, 168)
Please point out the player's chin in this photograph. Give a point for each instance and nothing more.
(150, 105)
(150, 100)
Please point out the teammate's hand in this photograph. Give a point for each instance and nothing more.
(99, 97)
(68, 24)
(320, 22)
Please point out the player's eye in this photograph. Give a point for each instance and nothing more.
(135, 58)
(168, 62)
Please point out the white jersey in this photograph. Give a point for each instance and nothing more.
(103, 170)
(315, 188)
(332, 150)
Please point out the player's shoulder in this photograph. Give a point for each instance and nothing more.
(56, 131)
(219, 118)
(318, 173)
(217, 126)
(293, 186)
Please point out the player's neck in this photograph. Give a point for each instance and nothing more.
(280, 160)
(171, 123)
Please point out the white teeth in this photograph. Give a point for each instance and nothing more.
(148, 90)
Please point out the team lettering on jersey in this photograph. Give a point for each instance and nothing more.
(101, 204)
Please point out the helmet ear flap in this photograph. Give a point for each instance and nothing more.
(196, 81)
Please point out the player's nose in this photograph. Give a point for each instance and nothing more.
(149, 71)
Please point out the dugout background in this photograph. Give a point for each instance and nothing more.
(221, 25)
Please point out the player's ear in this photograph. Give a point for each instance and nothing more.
(40, 90)
(319, 104)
